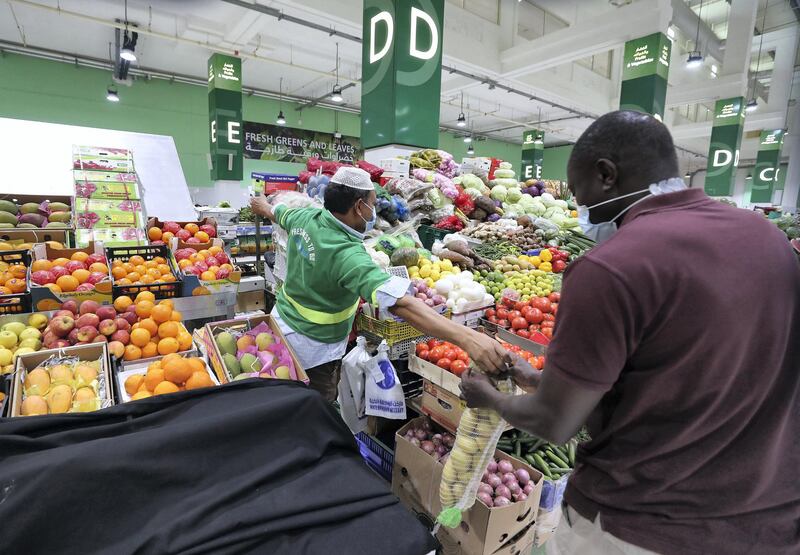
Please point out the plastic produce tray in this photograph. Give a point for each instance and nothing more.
(148, 252)
(429, 234)
(377, 455)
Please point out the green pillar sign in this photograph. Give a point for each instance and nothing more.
(225, 117)
(723, 153)
(532, 154)
(401, 76)
(767, 169)
(644, 74)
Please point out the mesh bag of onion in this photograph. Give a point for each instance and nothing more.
(476, 440)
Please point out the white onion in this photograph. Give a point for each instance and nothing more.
(444, 286)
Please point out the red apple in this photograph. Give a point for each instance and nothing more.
(43, 276)
(59, 271)
(88, 319)
(73, 265)
(96, 277)
(182, 254)
(222, 258)
(100, 339)
(60, 344)
(87, 333)
(116, 348)
(81, 343)
(209, 229)
(107, 327)
(183, 235)
(172, 227)
(130, 316)
(61, 313)
(62, 325)
(193, 240)
(73, 336)
(85, 287)
(106, 312)
(212, 261)
(95, 258)
(121, 336)
(89, 307)
(122, 323)
(49, 338)
(71, 305)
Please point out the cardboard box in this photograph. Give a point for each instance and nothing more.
(95, 213)
(168, 290)
(416, 477)
(396, 165)
(242, 324)
(194, 286)
(33, 236)
(43, 298)
(470, 318)
(443, 406)
(89, 353)
(140, 367)
(111, 236)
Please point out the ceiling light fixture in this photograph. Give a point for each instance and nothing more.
(695, 58)
(112, 95)
(467, 138)
(462, 119)
(752, 104)
(336, 93)
(281, 119)
(470, 150)
(128, 41)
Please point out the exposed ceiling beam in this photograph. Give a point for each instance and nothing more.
(684, 18)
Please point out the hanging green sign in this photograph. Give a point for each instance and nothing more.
(402, 72)
(225, 117)
(644, 74)
(532, 154)
(723, 153)
(765, 173)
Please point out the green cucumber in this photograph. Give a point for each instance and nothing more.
(542, 466)
(571, 452)
(553, 457)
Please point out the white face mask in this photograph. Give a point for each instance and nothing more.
(604, 230)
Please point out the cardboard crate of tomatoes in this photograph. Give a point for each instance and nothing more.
(524, 318)
(445, 355)
(537, 361)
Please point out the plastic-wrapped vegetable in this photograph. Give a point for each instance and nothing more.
(445, 184)
(473, 182)
(408, 187)
(476, 440)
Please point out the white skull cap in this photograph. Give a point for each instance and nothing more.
(353, 177)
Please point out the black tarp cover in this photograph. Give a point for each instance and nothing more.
(258, 466)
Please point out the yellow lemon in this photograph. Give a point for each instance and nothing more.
(425, 271)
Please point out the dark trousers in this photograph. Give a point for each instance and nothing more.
(325, 379)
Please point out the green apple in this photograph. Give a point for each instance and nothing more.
(37, 320)
(8, 339)
(22, 351)
(282, 372)
(30, 333)
(15, 327)
(32, 342)
(6, 357)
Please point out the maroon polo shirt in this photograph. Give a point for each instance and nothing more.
(688, 320)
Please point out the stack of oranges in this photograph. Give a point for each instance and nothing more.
(12, 278)
(170, 374)
(138, 271)
(158, 331)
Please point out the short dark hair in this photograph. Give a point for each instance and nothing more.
(340, 198)
(630, 139)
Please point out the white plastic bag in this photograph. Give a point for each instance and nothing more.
(384, 393)
(351, 387)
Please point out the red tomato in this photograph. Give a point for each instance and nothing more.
(554, 309)
(433, 343)
(548, 324)
(458, 367)
(519, 323)
(549, 317)
(559, 266)
(436, 353)
(525, 310)
(534, 327)
(534, 316)
(554, 297)
(519, 305)
(492, 319)
(463, 357)
(502, 314)
(514, 314)
(509, 302)
(503, 323)
(423, 354)
(490, 312)
(444, 363)
(421, 347)
(524, 333)
(449, 353)
(540, 362)
(548, 332)
(542, 303)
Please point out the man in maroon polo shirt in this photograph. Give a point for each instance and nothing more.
(678, 344)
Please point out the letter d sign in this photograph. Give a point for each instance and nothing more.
(386, 17)
(416, 16)
(722, 158)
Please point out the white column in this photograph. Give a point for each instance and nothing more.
(780, 85)
(509, 14)
(791, 146)
(740, 37)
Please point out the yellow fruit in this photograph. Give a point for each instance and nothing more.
(140, 395)
(37, 382)
(85, 374)
(132, 383)
(165, 387)
(32, 405)
(59, 399)
(61, 374)
(425, 271)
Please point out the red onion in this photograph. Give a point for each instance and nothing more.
(528, 488)
(494, 480)
(509, 478)
(485, 476)
(501, 501)
(482, 487)
(520, 497)
(409, 434)
(440, 449)
(428, 447)
(514, 488)
(504, 466)
(486, 498)
(426, 425)
(437, 439)
(414, 441)
(448, 440)
(502, 491)
(491, 467)
(522, 476)
(421, 434)
(443, 458)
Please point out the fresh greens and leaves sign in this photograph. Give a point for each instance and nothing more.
(277, 143)
(723, 153)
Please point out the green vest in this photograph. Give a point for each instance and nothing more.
(327, 272)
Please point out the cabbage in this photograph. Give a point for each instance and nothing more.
(537, 208)
(562, 204)
(548, 199)
(504, 174)
(514, 194)
(506, 182)
(499, 193)
(505, 165)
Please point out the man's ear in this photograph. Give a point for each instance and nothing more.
(607, 173)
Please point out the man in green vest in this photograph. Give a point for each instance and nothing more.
(328, 271)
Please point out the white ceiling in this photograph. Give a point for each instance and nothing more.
(177, 36)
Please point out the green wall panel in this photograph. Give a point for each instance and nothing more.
(555, 162)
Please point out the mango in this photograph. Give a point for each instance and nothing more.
(6, 225)
(32, 218)
(27, 226)
(85, 374)
(58, 207)
(37, 382)
(7, 218)
(249, 363)
(56, 225)
(9, 207)
(226, 343)
(231, 364)
(264, 340)
(33, 405)
(29, 208)
(86, 400)
(241, 377)
(62, 217)
(59, 399)
(283, 373)
(61, 374)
